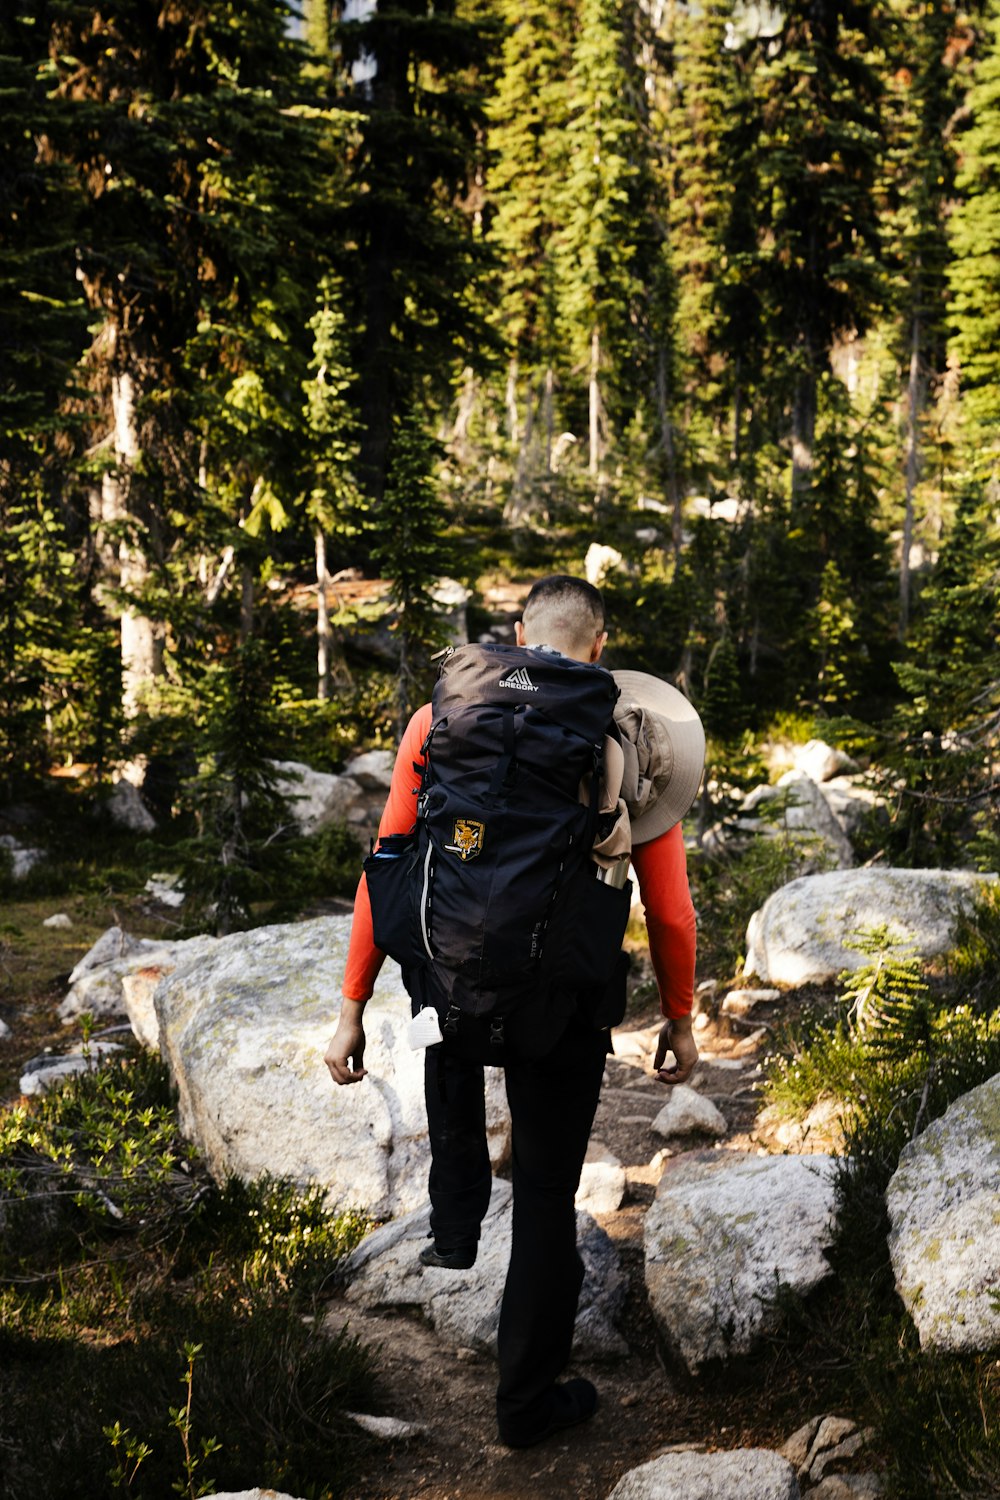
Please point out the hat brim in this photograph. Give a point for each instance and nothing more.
(687, 742)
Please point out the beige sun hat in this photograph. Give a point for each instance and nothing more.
(664, 747)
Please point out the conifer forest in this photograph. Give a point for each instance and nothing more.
(457, 289)
(327, 323)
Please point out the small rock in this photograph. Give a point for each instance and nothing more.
(742, 1002)
(40, 1073)
(687, 1113)
(166, 889)
(59, 919)
(5, 1031)
(386, 1427)
(602, 1181)
(702, 1021)
(750, 1473)
(848, 1487)
(798, 1446)
(256, 1494)
(660, 1159)
(22, 859)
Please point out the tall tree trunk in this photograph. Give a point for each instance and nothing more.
(595, 403)
(510, 397)
(916, 390)
(323, 635)
(141, 638)
(803, 433)
(669, 451)
(549, 415)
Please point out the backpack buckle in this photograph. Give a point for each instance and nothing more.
(449, 1026)
(496, 1032)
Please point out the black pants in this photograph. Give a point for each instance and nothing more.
(552, 1103)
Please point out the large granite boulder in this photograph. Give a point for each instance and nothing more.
(944, 1204)
(318, 798)
(724, 1234)
(243, 1024)
(805, 814)
(799, 936)
(464, 1307)
(743, 1474)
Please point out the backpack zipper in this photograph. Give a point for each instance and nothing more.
(425, 900)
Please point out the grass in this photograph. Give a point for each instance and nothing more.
(120, 1254)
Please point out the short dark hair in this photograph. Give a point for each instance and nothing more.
(563, 591)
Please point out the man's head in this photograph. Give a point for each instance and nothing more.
(565, 613)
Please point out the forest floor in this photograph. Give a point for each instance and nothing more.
(647, 1405)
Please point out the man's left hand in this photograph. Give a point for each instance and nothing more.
(677, 1037)
(347, 1046)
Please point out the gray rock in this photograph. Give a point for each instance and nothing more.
(742, 1002)
(822, 762)
(945, 1238)
(602, 1181)
(113, 944)
(463, 1307)
(318, 798)
(44, 1072)
(806, 815)
(372, 770)
(243, 1025)
(5, 1031)
(724, 1233)
(853, 803)
(126, 809)
(256, 1494)
(743, 1474)
(59, 921)
(166, 888)
(22, 859)
(391, 1429)
(687, 1113)
(848, 1487)
(799, 935)
(98, 988)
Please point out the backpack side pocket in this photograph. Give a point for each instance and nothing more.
(391, 876)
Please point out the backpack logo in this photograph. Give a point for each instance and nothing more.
(467, 839)
(520, 680)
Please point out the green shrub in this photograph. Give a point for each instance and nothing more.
(119, 1253)
(895, 1057)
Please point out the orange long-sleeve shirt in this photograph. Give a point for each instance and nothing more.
(660, 865)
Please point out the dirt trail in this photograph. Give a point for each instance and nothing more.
(645, 1407)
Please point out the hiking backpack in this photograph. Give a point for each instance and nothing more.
(493, 901)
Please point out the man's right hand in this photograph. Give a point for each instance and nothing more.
(347, 1045)
(677, 1037)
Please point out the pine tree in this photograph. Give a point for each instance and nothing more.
(414, 554)
(408, 219)
(204, 181)
(944, 738)
(527, 115)
(595, 252)
(922, 174)
(818, 267)
(701, 117)
(974, 234)
(333, 503)
(241, 816)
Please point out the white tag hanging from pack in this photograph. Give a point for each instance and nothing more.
(425, 1029)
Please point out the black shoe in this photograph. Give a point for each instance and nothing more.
(462, 1259)
(573, 1402)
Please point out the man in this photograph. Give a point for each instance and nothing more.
(552, 1097)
